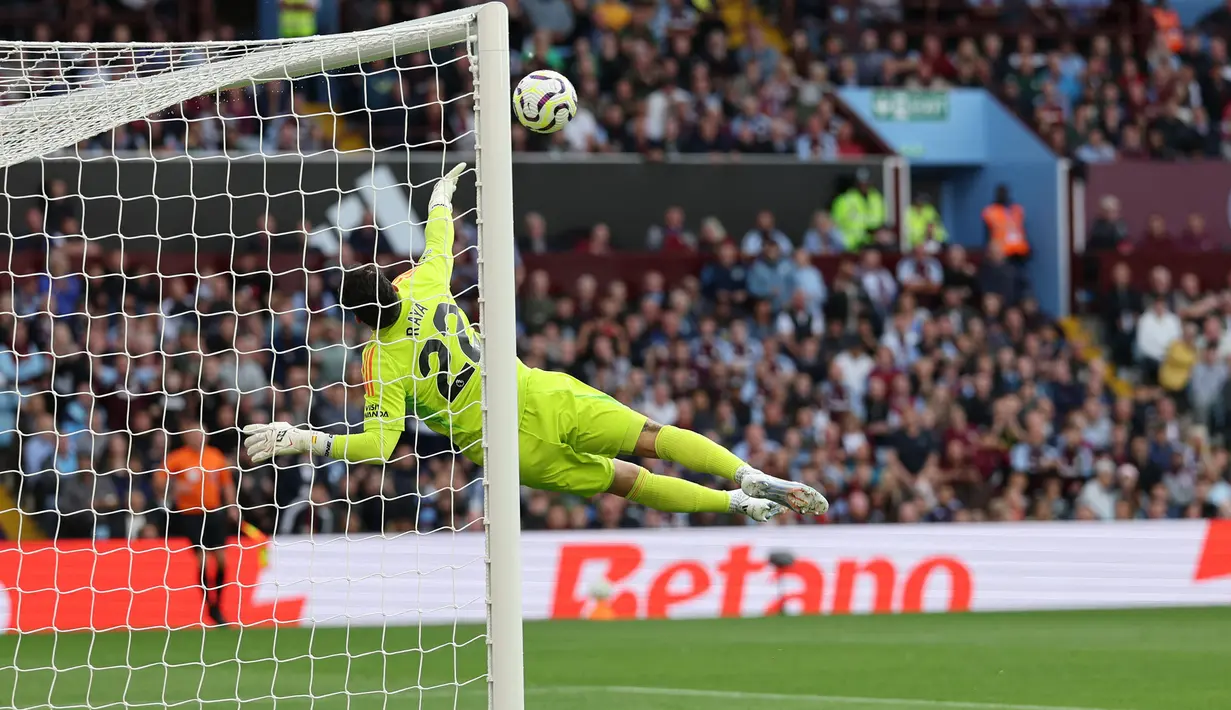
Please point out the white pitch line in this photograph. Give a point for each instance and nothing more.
(815, 699)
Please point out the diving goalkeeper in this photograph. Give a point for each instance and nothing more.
(425, 358)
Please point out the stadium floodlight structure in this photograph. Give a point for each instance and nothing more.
(66, 107)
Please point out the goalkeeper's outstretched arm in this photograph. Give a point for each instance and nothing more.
(374, 445)
(374, 301)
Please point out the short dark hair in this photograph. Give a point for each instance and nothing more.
(370, 296)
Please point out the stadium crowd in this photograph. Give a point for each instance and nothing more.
(1100, 81)
(925, 387)
(915, 388)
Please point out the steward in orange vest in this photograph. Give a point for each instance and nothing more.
(1006, 225)
(1168, 26)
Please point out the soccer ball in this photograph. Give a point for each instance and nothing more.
(544, 101)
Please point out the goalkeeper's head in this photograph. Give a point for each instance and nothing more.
(370, 296)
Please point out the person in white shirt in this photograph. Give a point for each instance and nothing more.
(660, 403)
(1100, 494)
(1157, 329)
(583, 133)
(855, 365)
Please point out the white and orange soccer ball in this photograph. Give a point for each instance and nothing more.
(545, 101)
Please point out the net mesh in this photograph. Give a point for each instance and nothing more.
(180, 220)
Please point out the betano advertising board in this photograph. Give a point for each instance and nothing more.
(439, 577)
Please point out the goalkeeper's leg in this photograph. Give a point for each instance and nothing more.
(694, 451)
(561, 408)
(675, 495)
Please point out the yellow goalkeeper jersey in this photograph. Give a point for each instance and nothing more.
(428, 363)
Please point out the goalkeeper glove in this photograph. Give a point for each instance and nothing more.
(442, 194)
(264, 441)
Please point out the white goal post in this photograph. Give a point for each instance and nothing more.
(56, 99)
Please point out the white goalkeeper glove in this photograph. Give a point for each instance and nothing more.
(264, 441)
(442, 194)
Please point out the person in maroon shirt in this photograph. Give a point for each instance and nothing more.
(598, 243)
(671, 235)
(1195, 237)
(934, 59)
(883, 368)
(1156, 235)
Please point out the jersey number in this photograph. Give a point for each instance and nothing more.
(450, 389)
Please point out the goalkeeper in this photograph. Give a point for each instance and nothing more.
(424, 357)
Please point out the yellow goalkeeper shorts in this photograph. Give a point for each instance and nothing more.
(570, 432)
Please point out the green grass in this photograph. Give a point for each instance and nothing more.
(1139, 660)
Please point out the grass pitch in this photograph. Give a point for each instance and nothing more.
(1138, 660)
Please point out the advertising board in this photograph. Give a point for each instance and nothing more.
(717, 572)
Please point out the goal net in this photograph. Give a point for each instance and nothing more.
(176, 222)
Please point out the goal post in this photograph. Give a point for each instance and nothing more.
(65, 109)
(493, 151)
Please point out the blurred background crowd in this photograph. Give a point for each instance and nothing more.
(922, 385)
(1099, 80)
(910, 387)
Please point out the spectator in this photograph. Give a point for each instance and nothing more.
(1099, 496)
(915, 448)
(771, 276)
(1157, 237)
(1122, 306)
(533, 239)
(807, 282)
(919, 272)
(1157, 329)
(1000, 277)
(1176, 368)
(853, 365)
(758, 50)
(764, 232)
(726, 280)
(815, 142)
(1033, 455)
(712, 235)
(848, 144)
(1205, 390)
(537, 308)
(823, 237)
(877, 283)
(1195, 238)
(671, 235)
(659, 406)
(960, 273)
(1096, 149)
(1109, 232)
(598, 243)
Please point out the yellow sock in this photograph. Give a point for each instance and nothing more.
(695, 452)
(675, 495)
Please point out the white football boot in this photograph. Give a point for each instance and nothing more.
(758, 509)
(796, 496)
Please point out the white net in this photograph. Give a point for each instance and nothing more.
(178, 220)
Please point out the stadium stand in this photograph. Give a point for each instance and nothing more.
(1097, 79)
